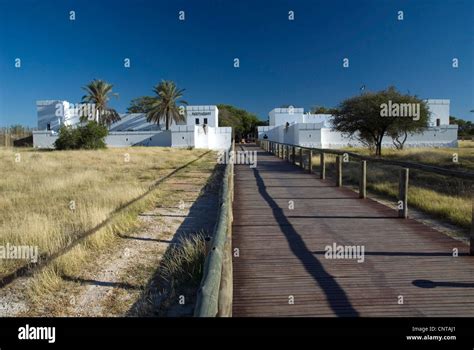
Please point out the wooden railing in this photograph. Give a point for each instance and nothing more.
(214, 298)
(288, 152)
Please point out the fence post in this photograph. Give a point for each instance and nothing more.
(294, 155)
(288, 153)
(301, 157)
(338, 171)
(322, 166)
(363, 179)
(403, 194)
(471, 243)
(207, 242)
(310, 161)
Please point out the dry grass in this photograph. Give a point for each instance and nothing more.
(37, 192)
(446, 198)
(183, 264)
(179, 275)
(433, 156)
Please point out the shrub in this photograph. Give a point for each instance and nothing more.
(89, 136)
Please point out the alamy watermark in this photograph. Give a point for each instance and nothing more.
(238, 157)
(405, 110)
(336, 251)
(20, 252)
(88, 110)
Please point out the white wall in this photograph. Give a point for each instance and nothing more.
(281, 116)
(314, 135)
(443, 136)
(439, 109)
(212, 138)
(318, 118)
(182, 136)
(309, 134)
(46, 139)
(211, 113)
(138, 138)
(56, 113)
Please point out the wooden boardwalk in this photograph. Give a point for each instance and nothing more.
(282, 252)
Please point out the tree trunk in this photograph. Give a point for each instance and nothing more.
(378, 150)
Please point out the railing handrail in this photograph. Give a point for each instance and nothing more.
(209, 297)
(467, 175)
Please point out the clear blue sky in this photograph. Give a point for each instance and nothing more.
(281, 62)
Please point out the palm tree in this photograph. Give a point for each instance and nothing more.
(163, 106)
(98, 92)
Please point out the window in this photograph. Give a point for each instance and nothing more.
(197, 121)
(205, 120)
(438, 122)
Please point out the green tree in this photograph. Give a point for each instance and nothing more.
(140, 104)
(322, 110)
(164, 104)
(89, 136)
(465, 127)
(98, 93)
(243, 123)
(371, 116)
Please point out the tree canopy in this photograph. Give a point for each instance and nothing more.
(98, 93)
(140, 104)
(163, 106)
(466, 127)
(243, 123)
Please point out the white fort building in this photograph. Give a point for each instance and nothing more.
(199, 129)
(294, 126)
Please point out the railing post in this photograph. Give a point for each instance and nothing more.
(322, 167)
(403, 194)
(293, 154)
(301, 157)
(363, 179)
(310, 161)
(338, 171)
(207, 243)
(287, 153)
(471, 243)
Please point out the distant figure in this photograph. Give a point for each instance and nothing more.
(265, 137)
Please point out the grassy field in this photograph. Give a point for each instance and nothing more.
(442, 197)
(51, 198)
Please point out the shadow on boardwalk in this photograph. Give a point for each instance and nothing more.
(335, 295)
